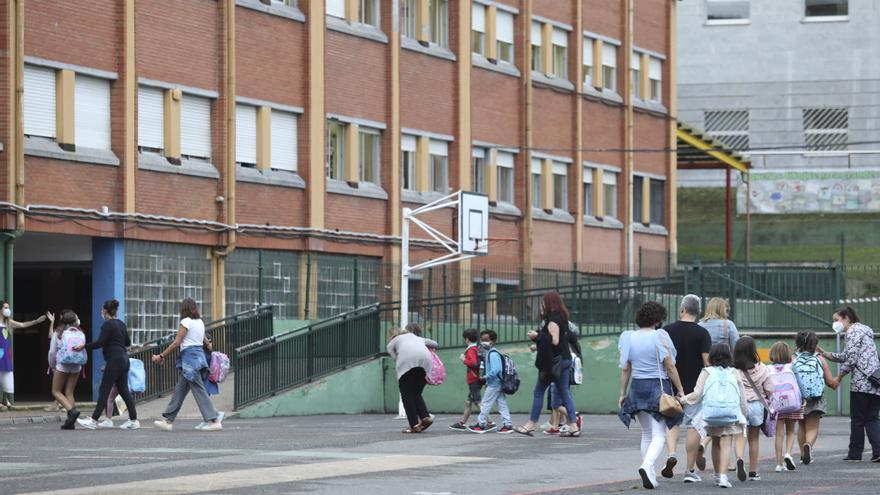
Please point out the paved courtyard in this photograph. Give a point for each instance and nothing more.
(367, 454)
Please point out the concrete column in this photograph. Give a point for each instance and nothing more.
(64, 109)
(129, 79)
(598, 192)
(547, 184)
(172, 125)
(422, 163)
(316, 114)
(264, 138)
(598, 76)
(108, 282)
(491, 32)
(352, 153)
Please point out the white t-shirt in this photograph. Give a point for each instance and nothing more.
(195, 332)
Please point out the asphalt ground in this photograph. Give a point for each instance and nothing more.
(368, 454)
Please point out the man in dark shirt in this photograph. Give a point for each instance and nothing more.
(692, 343)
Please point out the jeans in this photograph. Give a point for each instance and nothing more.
(115, 373)
(653, 439)
(864, 409)
(184, 386)
(492, 395)
(412, 384)
(562, 388)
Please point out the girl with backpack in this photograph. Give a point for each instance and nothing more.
(723, 407)
(786, 401)
(812, 375)
(7, 325)
(755, 379)
(66, 363)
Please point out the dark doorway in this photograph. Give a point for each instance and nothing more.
(41, 287)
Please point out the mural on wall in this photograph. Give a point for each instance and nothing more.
(811, 191)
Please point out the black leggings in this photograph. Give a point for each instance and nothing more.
(115, 373)
(411, 384)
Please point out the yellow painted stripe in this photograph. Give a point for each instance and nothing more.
(249, 478)
(711, 151)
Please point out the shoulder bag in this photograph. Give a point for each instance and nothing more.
(669, 407)
(770, 416)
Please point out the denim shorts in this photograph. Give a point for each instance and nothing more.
(690, 412)
(756, 413)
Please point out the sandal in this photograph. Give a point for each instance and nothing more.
(567, 431)
(426, 423)
(522, 431)
(413, 429)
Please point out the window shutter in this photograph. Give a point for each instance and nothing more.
(246, 134)
(283, 139)
(560, 37)
(92, 112)
(440, 148)
(655, 69)
(195, 126)
(336, 8)
(588, 52)
(609, 55)
(408, 143)
(151, 118)
(588, 175)
(536, 34)
(504, 159)
(635, 62)
(504, 23)
(39, 101)
(560, 168)
(478, 17)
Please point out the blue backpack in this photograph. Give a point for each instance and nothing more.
(810, 377)
(721, 399)
(71, 338)
(137, 376)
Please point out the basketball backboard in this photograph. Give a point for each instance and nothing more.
(473, 223)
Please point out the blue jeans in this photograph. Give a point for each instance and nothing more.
(492, 395)
(561, 387)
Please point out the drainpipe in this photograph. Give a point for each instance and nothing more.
(528, 224)
(628, 136)
(18, 110)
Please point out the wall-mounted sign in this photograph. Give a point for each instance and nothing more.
(812, 191)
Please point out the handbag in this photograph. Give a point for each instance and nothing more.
(556, 370)
(873, 378)
(770, 416)
(669, 406)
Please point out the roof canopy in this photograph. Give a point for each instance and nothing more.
(698, 150)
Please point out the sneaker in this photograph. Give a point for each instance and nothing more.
(505, 429)
(490, 424)
(806, 454)
(740, 470)
(647, 482)
(87, 423)
(852, 459)
(221, 415)
(668, 472)
(478, 428)
(130, 425)
(723, 482)
(163, 425)
(753, 476)
(458, 427)
(578, 416)
(789, 462)
(701, 458)
(107, 423)
(692, 477)
(212, 426)
(551, 431)
(876, 458)
(779, 468)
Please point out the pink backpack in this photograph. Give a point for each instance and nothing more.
(438, 370)
(219, 367)
(786, 398)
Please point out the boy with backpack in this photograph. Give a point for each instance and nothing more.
(812, 375)
(786, 401)
(471, 359)
(498, 371)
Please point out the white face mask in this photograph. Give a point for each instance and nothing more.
(7, 312)
(837, 327)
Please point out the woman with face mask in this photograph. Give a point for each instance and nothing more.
(859, 358)
(7, 325)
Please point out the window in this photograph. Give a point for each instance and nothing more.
(826, 8)
(638, 180)
(282, 141)
(478, 169)
(504, 35)
(536, 183)
(195, 127)
(438, 12)
(151, 119)
(560, 54)
(588, 62)
(658, 204)
(727, 10)
(336, 8)
(478, 30)
(438, 152)
(609, 67)
(588, 191)
(536, 47)
(826, 128)
(368, 162)
(609, 182)
(635, 82)
(246, 135)
(655, 77)
(368, 12)
(335, 150)
(39, 102)
(408, 163)
(560, 186)
(731, 127)
(504, 163)
(92, 112)
(409, 19)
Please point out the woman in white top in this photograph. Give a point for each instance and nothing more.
(193, 370)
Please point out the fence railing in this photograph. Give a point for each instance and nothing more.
(227, 335)
(268, 366)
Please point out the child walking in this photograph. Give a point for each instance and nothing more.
(755, 379)
(724, 408)
(494, 394)
(812, 375)
(789, 414)
(470, 358)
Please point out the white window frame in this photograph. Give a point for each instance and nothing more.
(652, 210)
(536, 47)
(363, 166)
(438, 12)
(635, 69)
(560, 170)
(504, 162)
(192, 108)
(734, 19)
(335, 171)
(588, 63)
(655, 80)
(369, 5)
(409, 22)
(536, 169)
(479, 168)
(609, 178)
(283, 141)
(828, 17)
(637, 190)
(151, 106)
(39, 102)
(588, 198)
(609, 61)
(478, 29)
(246, 135)
(559, 40)
(408, 149)
(438, 153)
(505, 23)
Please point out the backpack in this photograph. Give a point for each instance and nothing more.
(219, 367)
(509, 376)
(482, 354)
(438, 370)
(137, 376)
(721, 399)
(577, 371)
(70, 338)
(810, 377)
(786, 397)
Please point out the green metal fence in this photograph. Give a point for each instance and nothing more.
(227, 335)
(268, 366)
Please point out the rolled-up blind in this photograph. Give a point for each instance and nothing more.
(283, 141)
(39, 101)
(246, 134)
(195, 126)
(504, 30)
(151, 118)
(92, 112)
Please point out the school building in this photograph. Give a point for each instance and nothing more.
(236, 150)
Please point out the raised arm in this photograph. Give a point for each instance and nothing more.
(25, 324)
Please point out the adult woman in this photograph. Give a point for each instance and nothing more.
(7, 325)
(648, 357)
(859, 357)
(414, 362)
(553, 362)
(114, 342)
(64, 376)
(192, 369)
(715, 321)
